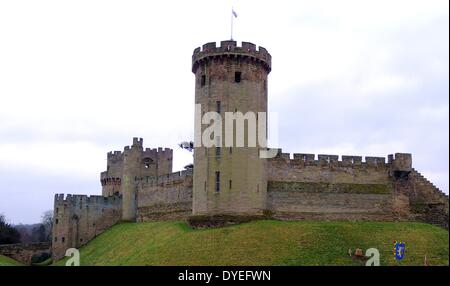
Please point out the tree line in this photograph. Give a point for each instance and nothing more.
(27, 233)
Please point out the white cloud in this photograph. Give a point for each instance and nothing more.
(81, 159)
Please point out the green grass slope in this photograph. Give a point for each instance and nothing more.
(265, 242)
(6, 261)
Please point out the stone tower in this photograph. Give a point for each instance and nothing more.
(229, 78)
(134, 164)
(131, 171)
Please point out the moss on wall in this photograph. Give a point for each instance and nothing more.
(329, 187)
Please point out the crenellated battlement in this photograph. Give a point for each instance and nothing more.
(110, 181)
(114, 155)
(170, 178)
(79, 218)
(158, 152)
(71, 199)
(325, 159)
(138, 141)
(231, 49)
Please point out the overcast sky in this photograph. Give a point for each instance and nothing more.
(81, 78)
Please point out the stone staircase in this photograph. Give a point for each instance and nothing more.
(428, 203)
(426, 186)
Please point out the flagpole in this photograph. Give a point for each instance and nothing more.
(232, 23)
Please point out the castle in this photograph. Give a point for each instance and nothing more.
(139, 185)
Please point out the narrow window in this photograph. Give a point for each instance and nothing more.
(56, 221)
(56, 239)
(230, 184)
(218, 107)
(231, 150)
(218, 152)
(217, 181)
(63, 239)
(203, 80)
(205, 186)
(237, 77)
(57, 210)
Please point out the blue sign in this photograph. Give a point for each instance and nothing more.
(399, 250)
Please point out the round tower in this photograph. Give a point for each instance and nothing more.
(231, 79)
(112, 177)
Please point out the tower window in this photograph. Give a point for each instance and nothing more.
(218, 152)
(237, 77)
(56, 239)
(217, 181)
(63, 239)
(203, 80)
(230, 184)
(231, 150)
(56, 221)
(147, 163)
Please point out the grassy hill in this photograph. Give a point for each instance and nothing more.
(264, 243)
(6, 261)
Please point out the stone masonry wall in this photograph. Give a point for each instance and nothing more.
(24, 252)
(326, 188)
(79, 218)
(166, 197)
(427, 202)
(352, 189)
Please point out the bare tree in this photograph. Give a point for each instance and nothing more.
(47, 222)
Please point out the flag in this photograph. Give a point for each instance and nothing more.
(234, 13)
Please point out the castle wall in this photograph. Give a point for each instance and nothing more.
(306, 188)
(427, 203)
(303, 187)
(166, 197)
(79, 218)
